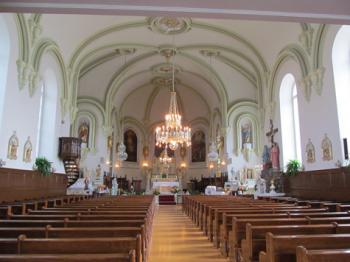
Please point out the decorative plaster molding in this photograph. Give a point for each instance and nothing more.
(107, 130)
(169, 25)
(313, 81)
(35, 29)
(22, 73)
(305, 84)
(306, 39)
(317, 80)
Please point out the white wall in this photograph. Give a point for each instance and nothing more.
(21, 112)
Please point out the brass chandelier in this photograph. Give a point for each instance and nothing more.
(173, 134)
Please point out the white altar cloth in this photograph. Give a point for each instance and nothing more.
(256, 195)
(164, 186)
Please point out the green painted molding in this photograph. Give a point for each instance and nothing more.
(297, 54)
(240, 104)
(238, 38)
(133, 122)
(35, 27)
(319, 46)
(95, 103)
(237, 132)
(245, 72)
(200, 121)
(101, 33)
(219, 84)
(43, 46)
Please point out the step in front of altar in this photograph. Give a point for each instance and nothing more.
(167, 200)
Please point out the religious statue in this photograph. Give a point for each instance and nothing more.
(275, 154)
(12, 147)
(83, 132)
(326, 145)
(27, 151)
(98, 172)
(183, 151)
(310, 152)
(110, 142)
(246, 133)
(266, 158)
(261, 185)
(145, 151)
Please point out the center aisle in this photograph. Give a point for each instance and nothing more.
(175, 238)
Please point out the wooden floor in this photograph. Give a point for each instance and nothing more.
(175, 238)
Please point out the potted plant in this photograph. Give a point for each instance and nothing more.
(293, 167)
(156, 193)
(43, 166)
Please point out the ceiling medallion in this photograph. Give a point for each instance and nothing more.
(165, 69)
(209, 53)
(169, 25)
(164, 81)
(125, 51)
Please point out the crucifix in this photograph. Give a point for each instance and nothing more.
(271, 132)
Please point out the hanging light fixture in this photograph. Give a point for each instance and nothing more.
(173, 134)
(165, 159)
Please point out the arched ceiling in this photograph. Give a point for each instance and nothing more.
(116, 59)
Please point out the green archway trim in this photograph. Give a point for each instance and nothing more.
(241, 104)
(101, 33)
(95, 103)
(127, 120)
(297, 54)
(47, 45)
(23, 38)
(318, 48)
(240, 39)
(233, 51)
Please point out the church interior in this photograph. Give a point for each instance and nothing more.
(163, 131)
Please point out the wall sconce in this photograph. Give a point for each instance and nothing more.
(145, 164)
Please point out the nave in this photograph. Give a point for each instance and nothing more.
(176, 238)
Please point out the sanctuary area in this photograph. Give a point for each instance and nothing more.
(174, 130)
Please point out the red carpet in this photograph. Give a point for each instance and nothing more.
(167, 200)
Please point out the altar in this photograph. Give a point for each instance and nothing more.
(164, 187)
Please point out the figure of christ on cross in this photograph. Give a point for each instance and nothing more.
(274, 150)
(271, 132)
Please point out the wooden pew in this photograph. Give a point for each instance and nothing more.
(283, 248)
(220, 235)
(70, 257)
(239, 225)
(24, 245)
(322, 255)
(255, 240)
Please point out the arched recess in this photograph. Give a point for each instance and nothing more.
(90, 116)
(130, 123)
(48, 46)
(5, 44)
(238, 123)
(94, 103)
(341, 70)
(198, 146)
(236, 113)
(296, 54)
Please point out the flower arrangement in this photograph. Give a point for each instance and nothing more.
(156, 192)
(175, 190)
